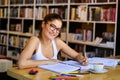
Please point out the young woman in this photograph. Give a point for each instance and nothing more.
(44, 48)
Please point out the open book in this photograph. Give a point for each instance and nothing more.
(69, 66)
(59, 67)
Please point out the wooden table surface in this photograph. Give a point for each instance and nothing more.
(23, 74)
(112, 74)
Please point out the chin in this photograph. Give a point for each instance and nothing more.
(51, 38)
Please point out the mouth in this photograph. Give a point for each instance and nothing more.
(52, 34)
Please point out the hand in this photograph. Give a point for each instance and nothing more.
(84, 61)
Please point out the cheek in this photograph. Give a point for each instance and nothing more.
(52, 34)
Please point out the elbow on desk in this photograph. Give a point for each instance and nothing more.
(21, 65)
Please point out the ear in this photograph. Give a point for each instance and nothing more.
(43, 24)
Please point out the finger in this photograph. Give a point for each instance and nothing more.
(85, 62)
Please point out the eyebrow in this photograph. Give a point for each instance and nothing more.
(54, 26)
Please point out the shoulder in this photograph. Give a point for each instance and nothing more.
(58, 40)
(34, 40)
(60, 43)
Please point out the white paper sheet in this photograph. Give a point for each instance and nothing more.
(105, 61)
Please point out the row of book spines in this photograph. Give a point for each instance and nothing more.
(103, 52)
(15, 27)
(79, 13)
(17, 41)
(3, 50)
(78, 48)
(40, 12)
(3, 39)
(97, 52)
(3, 2)
(76, 13)
(37, 1)
(21, 1)
(3, 12)
(102, 14)
(104, 0)
(91, 1)
(108, 36)
(51, 1)
(84, 35)
(95, 14)
(57, 1)
(23, 12)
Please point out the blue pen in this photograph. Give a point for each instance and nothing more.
(71, 75)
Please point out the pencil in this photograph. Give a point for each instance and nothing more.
(85, 54)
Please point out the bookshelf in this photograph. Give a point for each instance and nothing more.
(85, 22)
(93, 25)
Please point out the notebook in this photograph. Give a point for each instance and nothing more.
(59, 67)
(70, 65)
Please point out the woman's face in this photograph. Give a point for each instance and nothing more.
(52, 29)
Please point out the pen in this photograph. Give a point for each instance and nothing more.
(85, 54)
(71, 75)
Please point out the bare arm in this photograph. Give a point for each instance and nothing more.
(25, 60)
(72, 53)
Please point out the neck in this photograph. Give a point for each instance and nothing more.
(45, 40)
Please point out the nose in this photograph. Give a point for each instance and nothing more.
(55, 31)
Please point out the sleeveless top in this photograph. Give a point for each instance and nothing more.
(39, 55)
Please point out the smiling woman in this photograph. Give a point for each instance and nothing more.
(44, 48)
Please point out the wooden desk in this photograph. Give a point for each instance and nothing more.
(23, 74)
(112, 74)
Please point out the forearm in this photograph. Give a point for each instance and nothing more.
(35, 63)
(81, 59)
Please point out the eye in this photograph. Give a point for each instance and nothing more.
(53, 27)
